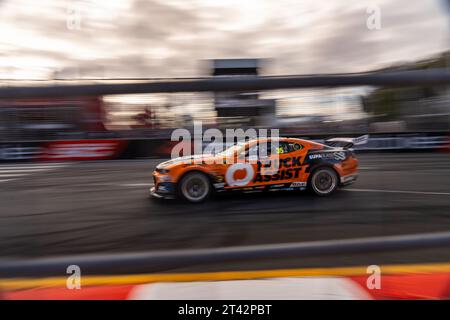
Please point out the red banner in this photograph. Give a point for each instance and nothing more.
(82, 150)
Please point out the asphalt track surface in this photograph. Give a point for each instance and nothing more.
(103, 207)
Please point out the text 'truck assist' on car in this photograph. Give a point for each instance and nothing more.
(287, 164)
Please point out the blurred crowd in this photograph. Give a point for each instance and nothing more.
(155, 116)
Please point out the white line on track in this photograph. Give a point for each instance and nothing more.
(22, 170)
(3, 170)
(136, 184)
(399, 191)
(33, 165)
(13, 175)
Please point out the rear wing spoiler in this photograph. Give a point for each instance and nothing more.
(347, 143)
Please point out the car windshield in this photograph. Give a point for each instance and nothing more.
(238, 148)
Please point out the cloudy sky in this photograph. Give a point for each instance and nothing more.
(170, 38)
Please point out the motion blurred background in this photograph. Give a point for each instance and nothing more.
(73, 206)
(87, 41)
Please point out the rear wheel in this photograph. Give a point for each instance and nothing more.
(324, 181)
(195, 187)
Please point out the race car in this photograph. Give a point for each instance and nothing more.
(285, 164)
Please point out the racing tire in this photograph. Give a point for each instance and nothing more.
(324, 181)
(194, 187)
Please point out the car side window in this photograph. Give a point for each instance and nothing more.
(268, 148)
(286, 147)
(294, 146)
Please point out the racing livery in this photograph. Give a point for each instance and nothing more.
(288, 164)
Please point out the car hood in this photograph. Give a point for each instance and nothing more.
(185, 160)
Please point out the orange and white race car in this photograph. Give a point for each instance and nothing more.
(286, 164)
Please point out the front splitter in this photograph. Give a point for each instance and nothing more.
(156, 195)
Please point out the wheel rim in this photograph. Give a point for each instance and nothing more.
(195, 188)
(324, 181)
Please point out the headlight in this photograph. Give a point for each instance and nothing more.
(162, 171)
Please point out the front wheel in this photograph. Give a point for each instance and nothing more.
(324, 181)
(195, 187)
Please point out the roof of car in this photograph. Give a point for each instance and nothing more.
(296, 140)
(279, 139)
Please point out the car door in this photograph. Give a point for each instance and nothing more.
(269, 168)
(287, 167)
(293, 164)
